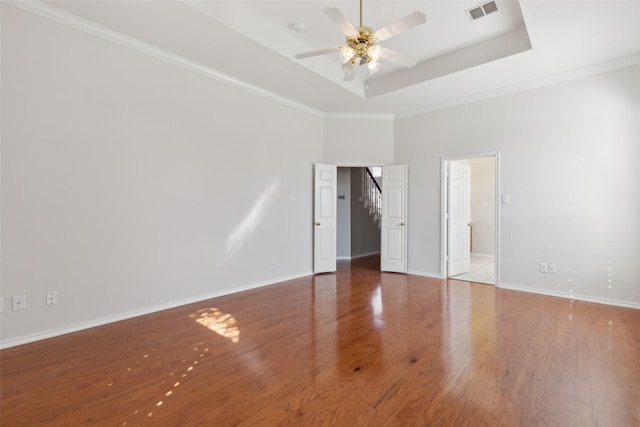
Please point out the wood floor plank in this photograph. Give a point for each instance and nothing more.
(355, 348)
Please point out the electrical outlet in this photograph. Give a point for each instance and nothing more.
(19, 302)
(1, 305)
(544, 268)
(52, 297)
(273, 260)
(552, 269)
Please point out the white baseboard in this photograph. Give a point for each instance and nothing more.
(565, 295)
(364, 255)
(349, 258)
(425, 274)
(483, 255)
(147, 310)
(570, 296)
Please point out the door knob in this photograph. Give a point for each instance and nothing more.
(317, 223)
(402, 224)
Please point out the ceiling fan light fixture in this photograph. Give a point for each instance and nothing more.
(374, 52)
(361, 42)
(348, 67)
(373, 66)
(346, 53)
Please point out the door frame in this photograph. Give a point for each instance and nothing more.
(364, 165)
(444, 193)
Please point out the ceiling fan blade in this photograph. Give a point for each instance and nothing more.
(398, 58)
(341, 21)
(406, 23)
(316, 52)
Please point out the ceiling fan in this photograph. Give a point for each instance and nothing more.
(362, 43)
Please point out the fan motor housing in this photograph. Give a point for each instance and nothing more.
(360, 42)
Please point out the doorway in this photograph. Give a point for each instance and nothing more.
(358, 227)
(470, 218)
(391, 207)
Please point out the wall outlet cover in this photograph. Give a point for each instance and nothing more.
(52, 297)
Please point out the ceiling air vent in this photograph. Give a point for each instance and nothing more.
(482, 10)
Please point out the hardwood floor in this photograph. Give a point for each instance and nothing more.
(356, 348)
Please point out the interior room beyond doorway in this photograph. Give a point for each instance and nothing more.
(358, 231)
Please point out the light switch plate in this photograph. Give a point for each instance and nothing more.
(19, 302)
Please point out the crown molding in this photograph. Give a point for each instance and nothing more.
(123, 40)
(357, 116)
(100, 31)
(574, 74)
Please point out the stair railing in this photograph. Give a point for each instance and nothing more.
(372, 195)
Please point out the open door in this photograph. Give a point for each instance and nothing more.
(459, 218)
(393, 242)
(324, 218)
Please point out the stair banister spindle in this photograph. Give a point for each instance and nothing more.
(371, 196)
(364, 193)
(368, 194)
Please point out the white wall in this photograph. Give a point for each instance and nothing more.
(343, 235)
(358, 142)
(570, 161)
(130, 184)
(483, 205)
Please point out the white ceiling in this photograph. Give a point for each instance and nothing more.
(272, 25)
(525, 44)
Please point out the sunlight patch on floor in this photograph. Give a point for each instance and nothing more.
(224, 324)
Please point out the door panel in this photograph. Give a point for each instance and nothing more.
(395, 203)
(325, 214)
(394, 245)
(459, 218)
(393, 249)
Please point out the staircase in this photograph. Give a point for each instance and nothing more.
(372, 195)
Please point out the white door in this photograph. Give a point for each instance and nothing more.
(324, 218)
(459, 218)
(393, 250)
